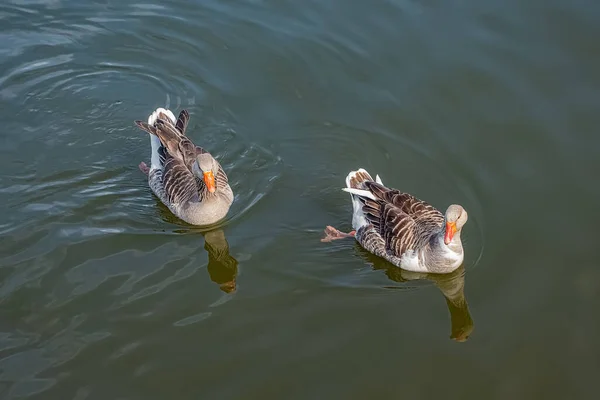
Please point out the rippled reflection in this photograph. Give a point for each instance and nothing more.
(222, 266)
(452, 287)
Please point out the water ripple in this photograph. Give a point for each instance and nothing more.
(453, 102)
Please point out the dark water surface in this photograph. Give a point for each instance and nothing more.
(491, 104)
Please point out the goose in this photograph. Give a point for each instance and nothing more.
(406, 231)
(185, 177)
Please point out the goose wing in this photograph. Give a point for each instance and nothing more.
(403, 221)
(177, 156)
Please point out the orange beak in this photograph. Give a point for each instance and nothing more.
(209, 180)
(450, 231)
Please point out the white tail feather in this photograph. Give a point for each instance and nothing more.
(152, 118)
(358, 217)
(359, 192)
(154, 140)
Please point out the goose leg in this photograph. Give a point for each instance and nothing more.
(144, 168)
(333, 234)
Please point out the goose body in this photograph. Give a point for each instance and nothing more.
(185, 177)
(406, 231)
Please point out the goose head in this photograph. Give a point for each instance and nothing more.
(456, 217)
(205, 167)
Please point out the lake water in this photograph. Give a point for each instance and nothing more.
(489, 104)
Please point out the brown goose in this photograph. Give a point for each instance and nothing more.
(185, 177)
(404, 230)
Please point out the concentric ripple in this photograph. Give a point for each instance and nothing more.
(74, 77)
(105, 294)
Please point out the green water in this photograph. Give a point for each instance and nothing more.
(489, 104)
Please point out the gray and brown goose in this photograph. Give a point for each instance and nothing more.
(404, 230)
(185, 177)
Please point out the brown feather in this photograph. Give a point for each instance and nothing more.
(403, 221)
(182, 121)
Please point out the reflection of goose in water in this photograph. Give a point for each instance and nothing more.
(222, 267)
(451, 285)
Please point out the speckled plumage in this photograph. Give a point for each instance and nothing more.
(171, 175)
(404, 230)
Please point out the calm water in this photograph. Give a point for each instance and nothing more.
(490, 104)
